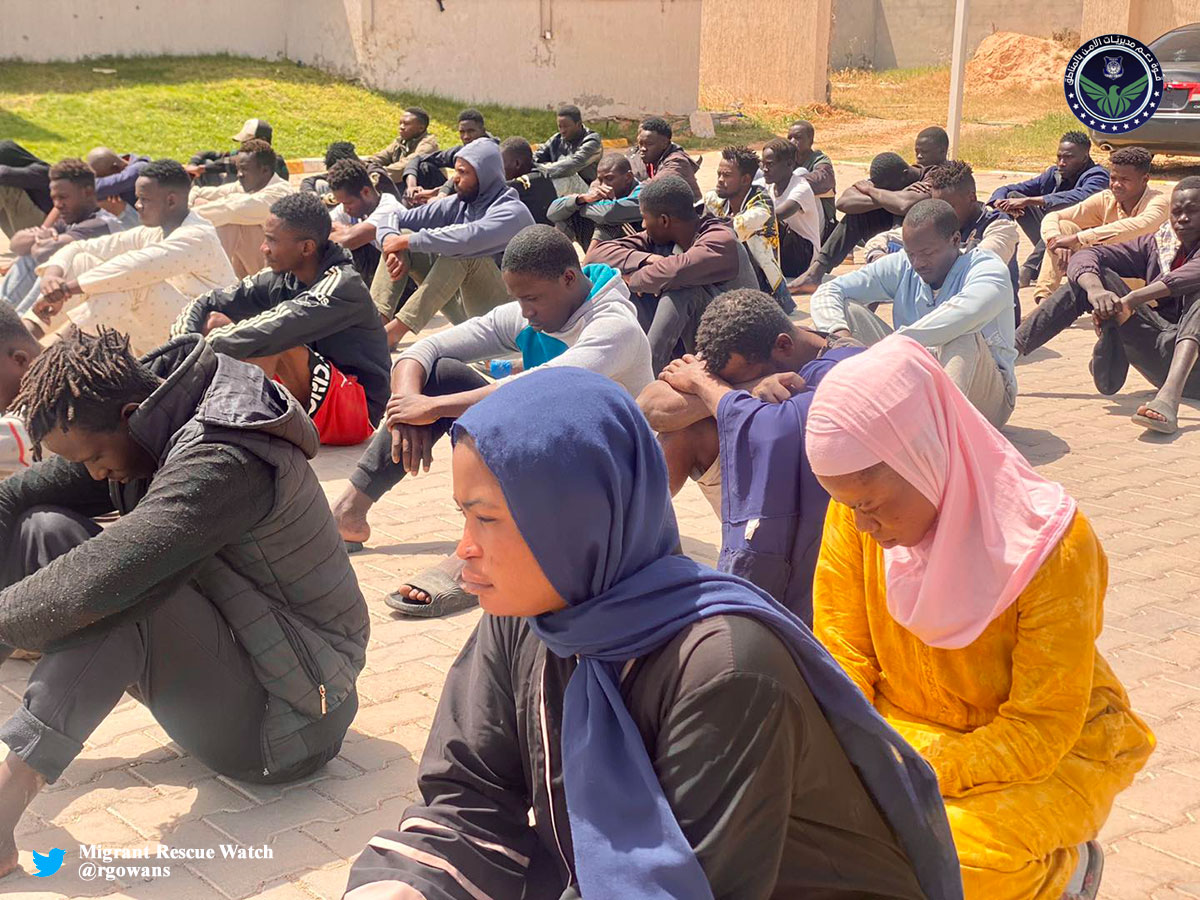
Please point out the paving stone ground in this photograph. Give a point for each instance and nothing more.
(132, 786)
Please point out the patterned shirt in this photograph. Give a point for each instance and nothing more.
(756, 227)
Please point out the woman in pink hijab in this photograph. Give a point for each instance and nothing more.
(963, 593)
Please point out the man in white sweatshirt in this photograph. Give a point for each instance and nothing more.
(136, 281)
(561, 315)
(239, 209)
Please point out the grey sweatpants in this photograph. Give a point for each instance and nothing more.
(177, 655)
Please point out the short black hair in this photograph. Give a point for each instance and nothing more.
(1190, 183)
(668, 195)
(658, 125)
(339, 150)
(1138, 158)
(81, 381)
(419, 113)
(781, 148)
(570, 111)
(518, 147)
(614, 159)
(888, 171)
(75, 171)
(349, 175)
(1078, 138)
(540, 250)
(305, 214)
(804, 125)
(952, 175)
(744, 158)
(260, 151)
(937, 134)
(168, 173)
(471, 115)
(938, 212)
(12, 328)
(742, 321)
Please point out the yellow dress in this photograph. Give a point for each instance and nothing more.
(1030, 733)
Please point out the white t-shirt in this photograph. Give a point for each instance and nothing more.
(809, 220)
(387, 208)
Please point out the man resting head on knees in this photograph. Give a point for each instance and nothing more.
(742, 403)
(221, 598)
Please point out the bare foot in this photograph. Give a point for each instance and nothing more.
(804, 285)
(19, 784)
(412, 594)
(1150, 413)
(350, 513)
(9, 860)
(395, 331)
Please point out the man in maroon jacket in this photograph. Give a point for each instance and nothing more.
(675, 266)
(660, 155)
(1160, 342)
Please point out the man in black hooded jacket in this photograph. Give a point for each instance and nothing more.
(222, 598)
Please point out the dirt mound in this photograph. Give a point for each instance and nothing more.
(1006, 60)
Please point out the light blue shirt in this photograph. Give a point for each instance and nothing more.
(976, 296)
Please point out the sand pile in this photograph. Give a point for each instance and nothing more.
(1005, 60)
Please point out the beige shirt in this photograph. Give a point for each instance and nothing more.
(229, 204)
(190, 259)
(1101, 220)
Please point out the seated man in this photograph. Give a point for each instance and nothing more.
(451, 246)
(749, 205)
(422, 178)
(796, 207)
(222, 598)
(1074, 177)
(572, 150)
(609, 209)
(116, 178)
(876, 204)
(746, 453)
(136, 281)
(412, 140)
(362, 209)
(818, 171)
(307, 320)
(1159, 342)
(24, 189)
(532, 184)
(656, 154)
(73, 192)
(675, 266)
(18, 350)
(238, 210)
(1126, 209)
(318, 182)
(956, 303)
(561, 315)
(211, 167)
(980, 226)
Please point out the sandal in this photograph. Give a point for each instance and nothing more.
(353, 546)
(446, 595)
(1109, 365)
(1085, 883)
(1170, 426)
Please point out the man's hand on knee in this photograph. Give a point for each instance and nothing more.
(214, 321)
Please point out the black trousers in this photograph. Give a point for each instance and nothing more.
(795, 253)
(375, 473)
(1146, 341)
(177, 656)
(578, 229)
(670, 320)
(853, 229)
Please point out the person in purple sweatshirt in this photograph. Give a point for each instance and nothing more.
(1162, 342)
(1074, 177)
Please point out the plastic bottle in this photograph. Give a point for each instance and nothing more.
(501, 368)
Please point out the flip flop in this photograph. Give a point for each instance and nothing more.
(446, 595)
(1164, 409)
(353, 546)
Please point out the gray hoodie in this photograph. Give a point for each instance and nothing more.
(449, 226)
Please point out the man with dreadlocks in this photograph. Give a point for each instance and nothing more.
(222, 598)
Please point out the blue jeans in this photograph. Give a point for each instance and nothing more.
(21, 286)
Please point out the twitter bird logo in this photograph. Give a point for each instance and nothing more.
(47, 863)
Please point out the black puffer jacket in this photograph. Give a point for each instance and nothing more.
(268, 556)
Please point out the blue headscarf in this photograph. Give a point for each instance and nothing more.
(586, 483)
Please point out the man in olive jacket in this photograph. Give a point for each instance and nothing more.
(221, 598)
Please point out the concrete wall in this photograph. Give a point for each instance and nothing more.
(888, 34)
(764, 51)
(1142, 19)
(611, 57)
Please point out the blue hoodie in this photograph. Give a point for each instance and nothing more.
(449, 226)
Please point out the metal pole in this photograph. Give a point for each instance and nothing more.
(958, 65)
